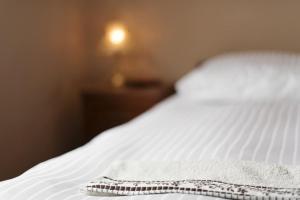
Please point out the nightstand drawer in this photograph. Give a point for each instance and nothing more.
(104, 108)
(103, 120)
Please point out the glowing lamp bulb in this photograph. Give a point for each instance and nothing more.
(117, 35)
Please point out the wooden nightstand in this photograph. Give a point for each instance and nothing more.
(106, 107)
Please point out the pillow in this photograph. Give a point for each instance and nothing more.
(244, 76)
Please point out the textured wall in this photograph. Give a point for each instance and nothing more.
(178, 33)
(41, 55)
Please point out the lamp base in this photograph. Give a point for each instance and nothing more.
(118, 80)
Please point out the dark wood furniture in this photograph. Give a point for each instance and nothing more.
(105, 107)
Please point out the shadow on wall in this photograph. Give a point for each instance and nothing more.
(41, 57)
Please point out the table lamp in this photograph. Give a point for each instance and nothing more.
(128, 62)
(116, 37)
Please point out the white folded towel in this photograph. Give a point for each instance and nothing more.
(227, 179)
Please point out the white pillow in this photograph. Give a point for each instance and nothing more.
(244, 76)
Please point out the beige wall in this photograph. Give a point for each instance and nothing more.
(41, 54)
(47, 46)
(178, 33)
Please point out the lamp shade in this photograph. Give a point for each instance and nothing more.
(116, 36)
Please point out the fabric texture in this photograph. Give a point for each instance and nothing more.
(227, 179)
(110, 187)
(179, 129)
(258, 76)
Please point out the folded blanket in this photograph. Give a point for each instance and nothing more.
(223, 179)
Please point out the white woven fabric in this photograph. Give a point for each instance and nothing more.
(242, 76)
(177, 130)
(230, 171)
(231, 179)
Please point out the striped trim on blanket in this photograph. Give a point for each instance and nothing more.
(109, 186)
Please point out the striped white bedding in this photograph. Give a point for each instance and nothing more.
(177, 129)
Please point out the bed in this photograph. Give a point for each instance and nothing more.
(253, 118)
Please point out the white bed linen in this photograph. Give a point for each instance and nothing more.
(249, 75)
(177, 129)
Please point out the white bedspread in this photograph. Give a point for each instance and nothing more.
(176, 130)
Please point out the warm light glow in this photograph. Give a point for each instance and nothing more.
(118, 80)
(116, 34)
